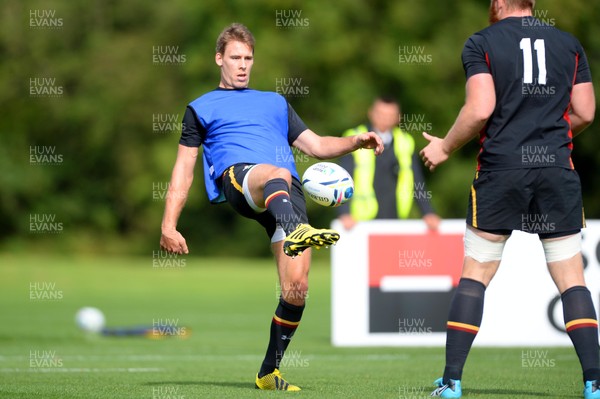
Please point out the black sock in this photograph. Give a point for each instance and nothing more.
(464, 319)
(284, 324)
(278, 204)
(582, 327)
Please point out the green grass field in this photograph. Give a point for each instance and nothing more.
(227, 304)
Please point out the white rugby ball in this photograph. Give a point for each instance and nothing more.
(90, 319)
(328, 184)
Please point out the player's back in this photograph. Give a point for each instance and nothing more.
(534, 67)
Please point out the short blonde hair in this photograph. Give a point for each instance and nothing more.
(234, 32)
(520, 4)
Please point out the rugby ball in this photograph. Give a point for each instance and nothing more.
(90, 319)
(328, 184)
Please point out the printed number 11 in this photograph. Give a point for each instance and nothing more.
(540, 51)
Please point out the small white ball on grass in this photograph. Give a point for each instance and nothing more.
(90, 319)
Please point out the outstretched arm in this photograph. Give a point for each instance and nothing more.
(479, 104)
(181, 180)
(327, 147)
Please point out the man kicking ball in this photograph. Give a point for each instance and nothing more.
(243, 131)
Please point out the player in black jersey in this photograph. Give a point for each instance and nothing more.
(528, 93)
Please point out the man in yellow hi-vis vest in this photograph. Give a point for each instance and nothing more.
(386, 187)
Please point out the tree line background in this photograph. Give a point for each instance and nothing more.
(92, 94)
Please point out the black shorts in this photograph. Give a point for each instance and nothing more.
(241, 202)
(544, 201)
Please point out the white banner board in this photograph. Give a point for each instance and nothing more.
(392, 282)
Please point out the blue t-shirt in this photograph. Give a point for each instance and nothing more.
(240, 126)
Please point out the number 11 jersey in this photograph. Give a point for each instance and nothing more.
(534, 67)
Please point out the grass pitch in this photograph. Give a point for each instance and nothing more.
(227, 305)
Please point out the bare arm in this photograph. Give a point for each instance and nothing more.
(327, 147)
(583, 107)
(181, 180)
(479, 104)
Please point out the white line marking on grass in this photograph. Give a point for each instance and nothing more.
(83, 370)
(159, 358)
